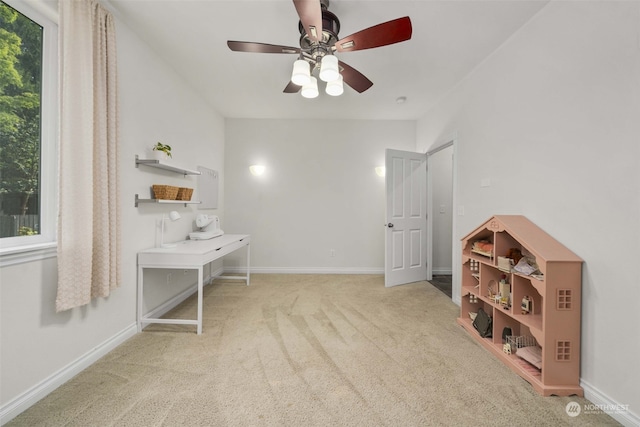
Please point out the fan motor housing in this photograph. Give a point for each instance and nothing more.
(330, 30)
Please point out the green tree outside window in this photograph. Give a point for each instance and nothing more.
(20, 91)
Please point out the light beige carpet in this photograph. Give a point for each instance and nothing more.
(305, 350)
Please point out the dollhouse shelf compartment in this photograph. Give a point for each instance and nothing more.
(554, 315)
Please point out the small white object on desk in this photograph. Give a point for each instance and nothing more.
(208, 227)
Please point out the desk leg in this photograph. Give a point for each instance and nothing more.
(200, 286)
(248, 263)
(140, 298)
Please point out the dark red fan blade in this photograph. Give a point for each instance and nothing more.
(292, 88)
(383, 34)
(310, 14)
(260, 47)
(354, 78)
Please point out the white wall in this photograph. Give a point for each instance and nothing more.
(156, 105)
(551, 119)
(319, 192)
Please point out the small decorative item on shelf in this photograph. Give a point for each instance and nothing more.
(505, 264)
(492, 290)
(184, 193)
(515, 254)
(526, 266)
(532, 354)
(505, 291)
(483, 247)
(165, 192)
(506, 332)
(162, 151)
(527, 305)
(520, 341)
(483, 323)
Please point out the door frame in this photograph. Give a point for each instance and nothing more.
(451, 141)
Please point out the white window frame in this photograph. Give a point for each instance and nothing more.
(19, 249)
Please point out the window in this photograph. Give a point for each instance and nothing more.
(28, 128)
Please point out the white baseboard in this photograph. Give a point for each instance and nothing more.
(21, 403)
(605, 404)
(442, 271)
(306, 270)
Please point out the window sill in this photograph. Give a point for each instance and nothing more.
(28, 253)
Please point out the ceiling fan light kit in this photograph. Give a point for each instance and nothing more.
(317, 48)
(310, 90)
(301, 74)
(329, 68)
(335, 87)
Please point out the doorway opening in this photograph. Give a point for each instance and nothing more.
(443, 283)
(441, 218)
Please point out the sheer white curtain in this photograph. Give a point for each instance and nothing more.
(89, 211)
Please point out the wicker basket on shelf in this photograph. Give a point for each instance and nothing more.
(184, 193)
(165, 192)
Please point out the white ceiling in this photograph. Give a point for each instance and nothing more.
(450, 38)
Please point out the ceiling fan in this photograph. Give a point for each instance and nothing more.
(318, 44)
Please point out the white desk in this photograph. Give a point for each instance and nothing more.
(190, 254)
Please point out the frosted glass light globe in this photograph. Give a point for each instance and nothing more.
(310, 90)
(301, 74)
(335, 87)
(329, 70)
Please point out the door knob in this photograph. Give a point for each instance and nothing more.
(390, 225)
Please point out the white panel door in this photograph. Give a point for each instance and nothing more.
(406, 226)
